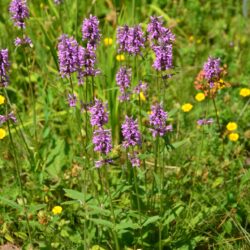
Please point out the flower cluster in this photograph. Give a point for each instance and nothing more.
(26, 41)
(131, 138)
(157, 120)
(210, 78)
(99, 116)
(90, 32)
(72, 99)
(161, 39)
(123, 80)
(130, 39)
(204, 121)
(19, 12)
(4, 68)
(5, 118)
(102, 140)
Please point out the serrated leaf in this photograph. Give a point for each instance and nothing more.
(76, 195)
(10, 203)
(102, 222)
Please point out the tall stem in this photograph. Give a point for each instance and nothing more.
(216, 112)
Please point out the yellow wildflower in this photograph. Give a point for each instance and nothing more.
(120, 57)
(233, 136)
(245, 92)
(57, 210)
(2, 133)
(2, 99)
(142, 97)
(108, 41)
(231, 126)
(186, 107)
(200, 97)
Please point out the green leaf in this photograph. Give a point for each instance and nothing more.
(34, 208)
(151, 220)
(102, 222)
(10, 203)
(217, 182)
(125, 225)
(76, 195)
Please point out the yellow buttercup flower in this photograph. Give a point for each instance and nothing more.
(142, 97)
(186, 107)
(108, 41)
(2, 133)
(233, 136)
(2, 99)
(245, 92)
(231, 126)
(120, 57)
(200, 97)
(57, 210)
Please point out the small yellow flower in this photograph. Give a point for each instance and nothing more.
(142, 97)
(186, 107)
(2, 99)
(57, 210)
(2, 133)
(199, 97)
(191, 39)
(120, 57)
(108, 41)
(233, 136)
(231, 126)
(245, 92)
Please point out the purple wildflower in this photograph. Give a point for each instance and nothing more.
(9, 116)
(130, 132)
(123, 79)
(68, 55)
(155, 27)
(141, 87)
(164, 57)
(58, 1)
(133, 158)
(212, 69)
(19, 12)
(205, 121)
(123, 37)
(4, 68)
(102, 162)
(90, 31)
(72, 100)
(23, 41)
(102, 140)
(158, 119)
(130, 39)
(99, 116)
(136, 40)
(166, 36)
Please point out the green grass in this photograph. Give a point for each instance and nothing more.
(197, 196)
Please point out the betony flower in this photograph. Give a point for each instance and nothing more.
(141, 87)
(102, 140)
(154, 27)
(212, 69)
(26, 41)
(130, 132)
(4, 68)
(157, 120)
(133, 158)
(123, 80)
(19, 12)
(122, 38)
(90, 31)
(163, 57)
(58, 1)
(68, 55)
(99, 116)
(201, 122)
(102, 162)
(72, 99)
(5, 118)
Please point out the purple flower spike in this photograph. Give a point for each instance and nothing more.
(99, 116)
(212, 69)
(102, 141)
(68, 55)
(123, 37)
(4, 68)
(19, 12)
(141, 87)
(10, 116)
(164, 57)
(72, 100)
(130, 132)
(26, 41)
(123, 77)
(205, 121)
(158, 119)
(133, 158)
(154, 28)
(102, 162)
(90, 31)
(58, 1)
